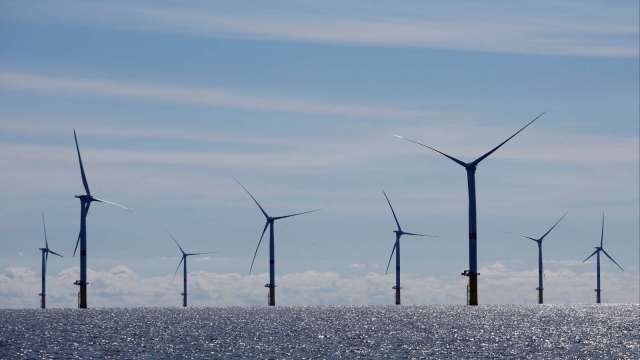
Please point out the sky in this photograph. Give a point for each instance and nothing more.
(300, 102)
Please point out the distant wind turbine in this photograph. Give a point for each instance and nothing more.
(85, 203)
(183, 261)
(396, 248)
(597, 253)
(270, 222)
(45, 257)
(472, 272)
(539, 242)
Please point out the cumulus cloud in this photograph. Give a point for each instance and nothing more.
(120, 286)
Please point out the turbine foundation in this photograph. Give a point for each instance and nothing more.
(540, 297)
(82, 294)
(472, 287)
(272, 294)
(397, 295)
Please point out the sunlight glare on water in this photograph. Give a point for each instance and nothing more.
(440, 332)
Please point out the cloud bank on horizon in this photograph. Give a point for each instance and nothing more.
(120, 286)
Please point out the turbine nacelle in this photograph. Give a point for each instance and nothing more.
(270, 220)
(184, 253)
(601, 249)
(471, 166)
(399, 232)
(539, 240)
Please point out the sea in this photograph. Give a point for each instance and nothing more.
(325, 332)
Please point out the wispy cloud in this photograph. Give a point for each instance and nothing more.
(582, 163)
(203, 96)
(533, 37)
(548, 32)
(282, 152)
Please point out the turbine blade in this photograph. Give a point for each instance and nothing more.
(390, 257)
(77, 243)
(610, 258)
(176, 241)
(252, 197)
(554, 225)
(602, 232)
(112, 203)
(54, 253)
(46, 258)
(478, 160)
(416, 234)
(201, 253)
(530, 238)
(44, 229)
(460, 162)
(84, 176)
(392, 211)
(258, 247)
(178, 267)
(589, 257)
(296, 214)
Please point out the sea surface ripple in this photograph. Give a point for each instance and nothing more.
(325, 332)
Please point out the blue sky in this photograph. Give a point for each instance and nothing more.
(300, 102)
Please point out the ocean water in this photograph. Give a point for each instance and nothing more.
(438, 332)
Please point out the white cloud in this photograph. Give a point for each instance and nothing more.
(361, 267)
(531, 36)
(562, 29)
(580, 164)
(537, 145)
(499, 283)
(208, 96)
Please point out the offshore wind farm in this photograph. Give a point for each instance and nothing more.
(323, 131)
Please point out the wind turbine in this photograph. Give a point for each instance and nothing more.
(270, 222)
(539, 242)
(45, 257)
(396, 248)
(472, 272)
(597, 253)
(183, 261)
(85, 203)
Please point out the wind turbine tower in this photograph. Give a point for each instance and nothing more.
(45, 257)
(396, 248)
(472, 272)
(85, 203)
(597, 254)
(539, 242)
(183, 262)
(270, 223)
